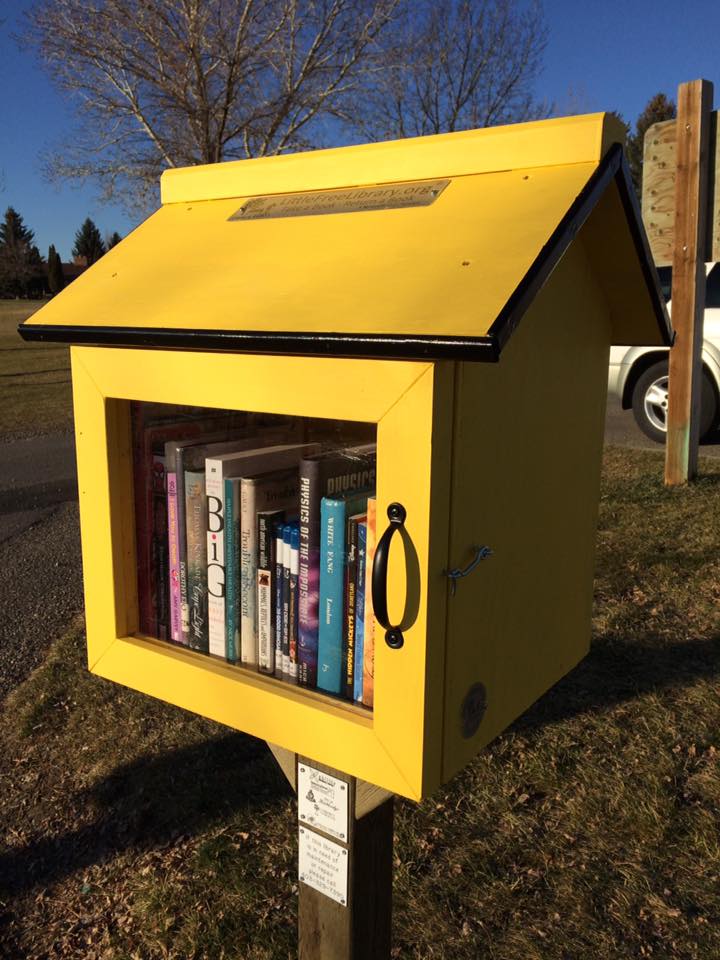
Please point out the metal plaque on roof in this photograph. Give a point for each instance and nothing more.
(386, 196)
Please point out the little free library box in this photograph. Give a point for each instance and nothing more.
(339, 422)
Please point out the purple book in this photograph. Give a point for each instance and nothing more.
(330, 474)
(174, 558)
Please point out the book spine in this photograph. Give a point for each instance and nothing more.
(159, 548)
(175, 630)
(294, 569)
(231, 573)
(215, 536)
(332, 547)
(196, 517)
(309, 572)
(360, 611)
(265, 598)
(349, 606)
(369, 618)
(278, 596)
(182, 548)
(248, 575)
(142, 470)
(286, 602)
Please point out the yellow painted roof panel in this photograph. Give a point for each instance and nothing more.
(514, 198)
(444, 269)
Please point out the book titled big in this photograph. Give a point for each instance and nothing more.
(245, 464)
(333, 516)
(182, 456)
(331, 474)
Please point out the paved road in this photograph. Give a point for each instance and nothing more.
(621, 429)
(40, 578)
(41, 581)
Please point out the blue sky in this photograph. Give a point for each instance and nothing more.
(601, 56)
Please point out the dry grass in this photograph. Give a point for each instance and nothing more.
(589, 831)
(35, 391)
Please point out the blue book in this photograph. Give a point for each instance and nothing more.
(333, 515)
(360, 611)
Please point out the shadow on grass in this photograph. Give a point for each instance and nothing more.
(158, 799)
(616, 672)
(150, 802)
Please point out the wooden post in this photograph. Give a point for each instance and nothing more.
(688, 281)
(357, 840)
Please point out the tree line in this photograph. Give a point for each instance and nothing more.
(25, 273)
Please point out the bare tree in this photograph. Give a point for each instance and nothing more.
(163, 83)
(454, 65)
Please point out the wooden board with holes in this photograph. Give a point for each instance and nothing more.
(658, 191)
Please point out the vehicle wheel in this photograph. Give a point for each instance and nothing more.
(650, 398)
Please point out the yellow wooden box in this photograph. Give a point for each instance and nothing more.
(472, 328)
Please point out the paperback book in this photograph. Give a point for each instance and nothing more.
(330, 474)
(334, 513)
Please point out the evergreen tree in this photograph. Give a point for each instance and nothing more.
(113, 240)
(658, 108)
(20, 261)
(89, 245)
(56, 280)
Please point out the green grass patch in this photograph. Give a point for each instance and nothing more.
(589, 830)
(35, 388)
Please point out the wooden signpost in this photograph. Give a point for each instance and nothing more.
(682, 216)
(345, 846)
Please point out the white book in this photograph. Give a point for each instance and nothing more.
(236, 463)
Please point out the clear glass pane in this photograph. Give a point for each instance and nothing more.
(254, 536)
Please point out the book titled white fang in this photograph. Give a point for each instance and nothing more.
(241, 463)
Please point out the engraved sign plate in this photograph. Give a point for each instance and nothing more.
(388, 196)
(322, 801)
(323, 865)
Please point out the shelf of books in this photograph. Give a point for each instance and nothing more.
(254, 541)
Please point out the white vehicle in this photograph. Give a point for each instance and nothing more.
(639, 375)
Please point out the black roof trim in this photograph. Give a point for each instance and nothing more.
(400, 346)
(613, 166)
(379, 346)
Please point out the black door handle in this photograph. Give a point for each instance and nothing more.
(393, 634)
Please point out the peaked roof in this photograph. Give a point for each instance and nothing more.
(432, 247)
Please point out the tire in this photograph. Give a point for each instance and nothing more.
(649, 402)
